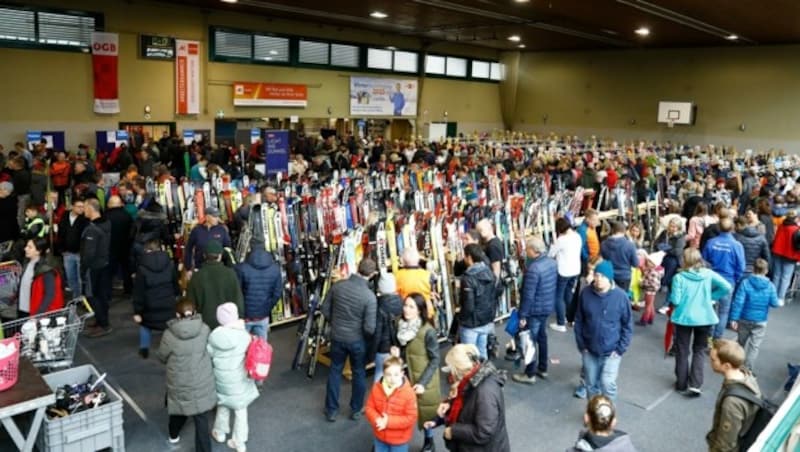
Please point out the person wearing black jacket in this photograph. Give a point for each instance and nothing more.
(96, 265)
(390, 308)
(150, 224)
(21, 178)
(70, 231)
(9, 230)
(155, 290)
(477, 300)
(120, 250)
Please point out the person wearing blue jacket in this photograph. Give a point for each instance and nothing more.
(692, 296)
(725, 255)
(754, 296)
(201, 234)
(262, 287)
(603, 331)
(621, 252)
(536, 305)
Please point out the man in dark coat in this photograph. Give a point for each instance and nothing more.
(96, 265)
(121, 223)
(9, 230)
(262, 287)
(478, 302)
(154, 292)
(538, 302)
(213, 285)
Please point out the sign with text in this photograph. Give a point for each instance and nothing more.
(188, 136)
(254, 94)
(276, 147)
(105, 56)
(187, 77)
(383, 97)
(255, 135)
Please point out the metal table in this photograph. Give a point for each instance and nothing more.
(31, 393)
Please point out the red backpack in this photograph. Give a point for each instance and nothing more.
(258, 358)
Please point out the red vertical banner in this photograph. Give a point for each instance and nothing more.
(187, 77)
(105, 57)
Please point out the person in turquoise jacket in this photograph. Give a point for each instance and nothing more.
(227, 346)
(754, 296)
(692, 296)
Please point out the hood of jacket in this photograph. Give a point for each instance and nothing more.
(758, 283)
(226, 337)
(750, 232)
(186, 328)
(619, 442)
(156, 261)
(259, 259)
(695, 275)
(486, 371)
(481, 272)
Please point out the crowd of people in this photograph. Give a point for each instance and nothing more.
(724, 254)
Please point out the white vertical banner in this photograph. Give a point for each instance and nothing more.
(187, 77)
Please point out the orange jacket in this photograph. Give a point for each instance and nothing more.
(592, 242)
(400, 405)
(59, 171)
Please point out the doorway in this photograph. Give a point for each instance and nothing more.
(139, 132)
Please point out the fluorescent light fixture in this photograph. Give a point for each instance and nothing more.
(378, 15)
(229, 1)
(643, 31)
(521, 46)
(514, 38)
(391, 48)
(732, 37)
(521, 1)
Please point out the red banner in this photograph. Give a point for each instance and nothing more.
(105, 56)
(187, 77)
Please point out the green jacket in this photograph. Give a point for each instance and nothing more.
(422, 356)
(211, 286)
(227, 346)
(732, 417)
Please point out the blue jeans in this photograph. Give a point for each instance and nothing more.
(565, 287)
(477, 336)
(340, 351)
(782, 271)
(600, 373)
(72, 270)
(145, 336)
(380, 446)
(258, 327)
(379, 359)
(538, 328)
(723, 312)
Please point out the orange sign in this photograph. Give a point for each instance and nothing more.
(254, 94)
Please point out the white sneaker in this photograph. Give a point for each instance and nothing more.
(218, 436)
(781, 302)
(175, 440)
(559, 328)
(236, 446)
(663, 310)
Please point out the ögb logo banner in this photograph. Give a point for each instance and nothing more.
(187, 77)
(105, 57)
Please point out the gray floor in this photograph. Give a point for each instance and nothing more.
(544, 417)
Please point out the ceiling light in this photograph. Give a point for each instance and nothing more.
(378, 15)
(643, 31)
(521, 1)
(731, 37)
(229, 1)
(521, 46)
(514, 38)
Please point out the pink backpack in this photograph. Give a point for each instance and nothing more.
(258, 358)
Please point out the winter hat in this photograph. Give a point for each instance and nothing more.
(606, 269)
(656, 258)
(387, 284)
(227, 313)
(212, 211)
(213, 247)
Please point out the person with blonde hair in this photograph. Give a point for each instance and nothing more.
(601, 434)
(692, 296)
(475, 413)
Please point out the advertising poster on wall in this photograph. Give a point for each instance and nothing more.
(276, 147)
(105, 56)
(253, 94)
(383, 97)
(187, 77)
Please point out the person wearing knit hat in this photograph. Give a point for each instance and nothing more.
(390, 308)
(603, 331)
(227, 346)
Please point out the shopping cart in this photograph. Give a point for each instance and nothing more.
(10, 275)
(49, 339)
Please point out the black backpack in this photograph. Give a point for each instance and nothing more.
(766, 410)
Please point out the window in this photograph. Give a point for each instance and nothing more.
(480, 69)
(434, 64)
(235, 45)
(270, 48)
(32, 28)
(17, 25)
(379, 59)
(456, 67)
(405, 61)
(313, 52)
(498, 71)
(344, 55)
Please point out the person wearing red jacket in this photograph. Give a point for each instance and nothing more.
(40, 288)
(60, 171)
(785, 255)
(391, 409)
